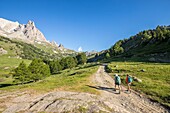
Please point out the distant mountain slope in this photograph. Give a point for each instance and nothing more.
(28, 33)
(19, 49)
(29, 41)
(148, 45)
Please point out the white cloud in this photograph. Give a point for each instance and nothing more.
(80, 49)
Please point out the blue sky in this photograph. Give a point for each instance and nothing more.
(91, 24)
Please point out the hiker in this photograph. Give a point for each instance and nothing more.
(117, 82)
(129, 82)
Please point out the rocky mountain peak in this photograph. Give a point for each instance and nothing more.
(30, 23)
(61, 46)
(53, 43)
(26, 32)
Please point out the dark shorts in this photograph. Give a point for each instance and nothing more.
(117, 83)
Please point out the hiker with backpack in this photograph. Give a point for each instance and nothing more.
(117, 82)
(129, 82)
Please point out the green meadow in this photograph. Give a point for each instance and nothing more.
(155, 78)
(8, 64)
(75, 79)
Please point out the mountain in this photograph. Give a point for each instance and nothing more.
(148, 45)
(27, 33)
(28, 41)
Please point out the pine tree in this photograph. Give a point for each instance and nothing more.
(70, 62)
(55, 66)
(63, 63)
(21, 73)
(39, 70)
(81, 58)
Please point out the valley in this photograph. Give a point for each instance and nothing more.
(37, 75)
(107, 99)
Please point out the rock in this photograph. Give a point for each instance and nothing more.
(137, 79)
(116, 66)
(53, 43)
(2, 51)
(6, 68)
(143, 70)
(61, 46)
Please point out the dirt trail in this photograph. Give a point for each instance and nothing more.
(63, 101)
(132, 103)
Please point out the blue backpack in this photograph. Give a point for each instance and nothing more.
(117, 80)
(130, 79)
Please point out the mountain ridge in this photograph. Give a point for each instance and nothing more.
(149, 45)
(28, 33)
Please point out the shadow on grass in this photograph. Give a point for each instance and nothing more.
(5, 85)
(111, 90)
(14, 84)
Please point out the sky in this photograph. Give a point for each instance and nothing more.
(88, 25)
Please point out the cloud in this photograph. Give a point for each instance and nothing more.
(80, 49)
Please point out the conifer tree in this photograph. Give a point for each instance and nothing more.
(55, 66)
(81, 58)
(21, 73)
(39, 70)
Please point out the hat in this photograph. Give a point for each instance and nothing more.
(116, 74)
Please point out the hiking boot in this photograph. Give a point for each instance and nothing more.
(119, 92)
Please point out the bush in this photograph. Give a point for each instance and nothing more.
(108, 69)
(81, 58)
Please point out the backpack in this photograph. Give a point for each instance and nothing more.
(130, 79)
(117, 80)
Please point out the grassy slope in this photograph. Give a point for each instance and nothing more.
(155, 80)
(9, 64)
(71, 79)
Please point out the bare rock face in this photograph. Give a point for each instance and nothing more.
(27, 33)
(53, 43)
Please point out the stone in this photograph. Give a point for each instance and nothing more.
(137, 79)
(3, 51)
(143, 70)
(6, 68)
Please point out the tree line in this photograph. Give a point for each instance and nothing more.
(40, 69)
(154, 37)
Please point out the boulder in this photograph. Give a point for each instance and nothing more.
(136, 79)
(2, 51)
(143, 70)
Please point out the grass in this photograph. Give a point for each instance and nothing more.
(155, 80)
(75, 79)
(10, 63)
